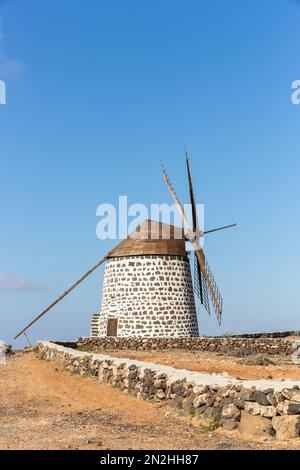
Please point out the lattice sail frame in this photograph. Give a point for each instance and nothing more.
(191, 236)
(200, 286)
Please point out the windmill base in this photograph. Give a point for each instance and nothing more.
(147, 296)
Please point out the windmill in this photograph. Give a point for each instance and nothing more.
(204, 283)
(148, 288)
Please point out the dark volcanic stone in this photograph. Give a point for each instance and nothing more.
(260, 398)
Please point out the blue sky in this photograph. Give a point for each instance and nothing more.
(97, 94)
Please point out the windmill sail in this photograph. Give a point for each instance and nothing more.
(192, 235)
(174, 196)
(204, 274)
(200, 286)
(214, 292)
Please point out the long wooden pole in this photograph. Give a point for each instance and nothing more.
(219, 228)
(90, 271)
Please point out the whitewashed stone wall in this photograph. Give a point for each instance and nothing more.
(151, 295)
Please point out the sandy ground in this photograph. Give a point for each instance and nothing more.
(44, 407)
(214, 363)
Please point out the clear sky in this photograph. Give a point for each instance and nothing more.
(98, 92)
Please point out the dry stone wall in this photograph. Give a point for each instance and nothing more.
(213, 396)
(239, 346)
(151, 296)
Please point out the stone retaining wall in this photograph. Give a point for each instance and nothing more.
(274, 334)
(241, 346)
(220, 399)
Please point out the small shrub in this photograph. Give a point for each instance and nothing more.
(227, 334)
(191, 410)
(240, 352)
(225, 349)
(88, 373)
(210, 419)
(258, 360)
(208, 427)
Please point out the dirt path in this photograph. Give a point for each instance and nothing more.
(43, 407)
(214, 363)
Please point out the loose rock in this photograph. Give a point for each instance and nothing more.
(255, 426)
(286, 427)
(95, 440)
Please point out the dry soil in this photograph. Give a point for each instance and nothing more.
(44, 407)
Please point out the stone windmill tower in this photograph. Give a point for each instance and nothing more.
(148, 290)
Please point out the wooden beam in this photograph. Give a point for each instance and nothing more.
(90, 271)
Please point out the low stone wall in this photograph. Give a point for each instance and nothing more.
(274, 334)
(238, 346)
(217, 398)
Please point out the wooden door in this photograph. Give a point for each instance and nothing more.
(112, 327)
